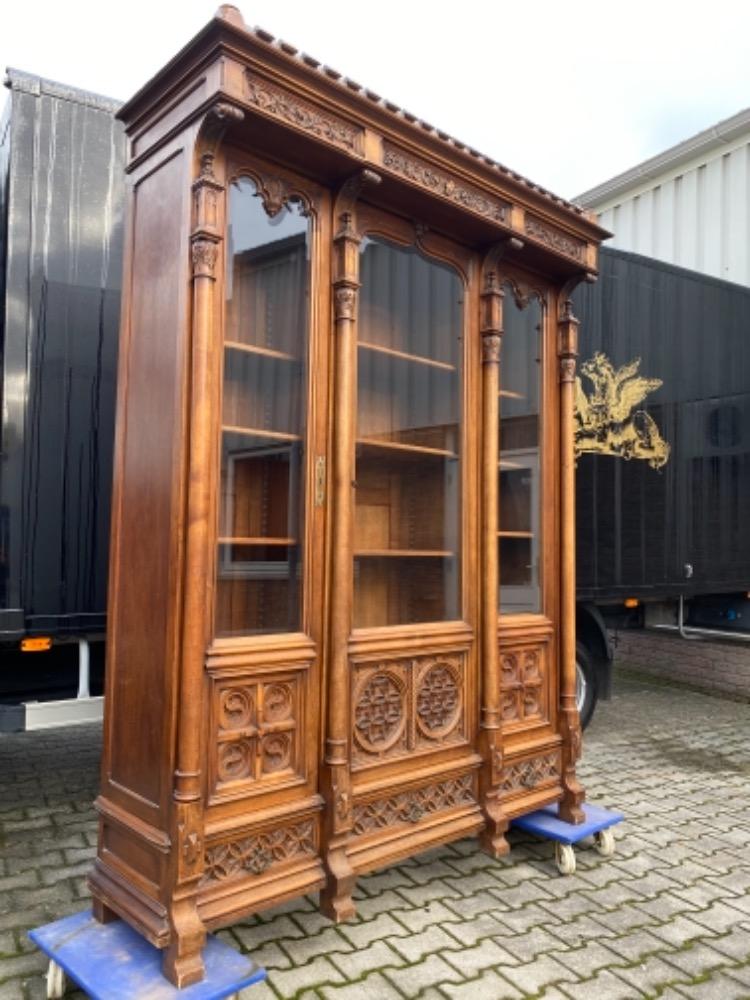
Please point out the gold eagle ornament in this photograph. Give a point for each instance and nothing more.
(607, 421)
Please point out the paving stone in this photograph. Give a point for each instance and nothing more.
(653, 975)
(681, 930)
(587, 960)
(529, 946)
(287, 982)
(488, 985)
(12, 989)
(415, 947)
(373, 987)
(718, 917)
(302, 950)
(416, 920)
(605, 985)
(362, 961)
(469, 932)
(433, 971)
(487, 955)
(532, 977)
(719, 987)
(278, 929)
(364, 934)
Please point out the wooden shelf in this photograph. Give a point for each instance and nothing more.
(403, 356)
(404, 553)
(266, 352)
(398, 446)
(258, 432)
(258, 540)
(515, 534)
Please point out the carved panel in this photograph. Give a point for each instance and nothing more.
(412, 806)
(256, 854)
(555, 238)
(256, 732)
(442, 183)
(525, 775)
(413, 703)
(523, 683)
(293, 110)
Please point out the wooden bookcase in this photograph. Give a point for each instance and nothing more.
(342, 593)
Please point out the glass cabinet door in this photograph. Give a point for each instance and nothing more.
(407, 531)
(520, 430)
(261, 515)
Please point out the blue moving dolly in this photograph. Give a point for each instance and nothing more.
(546, 823)
(113, 962)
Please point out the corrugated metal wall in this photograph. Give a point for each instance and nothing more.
(696, 215)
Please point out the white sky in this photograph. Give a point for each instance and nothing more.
(568, 93)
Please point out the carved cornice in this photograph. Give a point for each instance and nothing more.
(442, 183)
(293, 110)
(555, 239)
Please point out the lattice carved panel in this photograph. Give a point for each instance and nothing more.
(413, 703)
(256, 731)
(255, 854)
(523, 683)
(525, 775)
(412, 806)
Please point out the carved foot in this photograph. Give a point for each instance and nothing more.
(182, 969)
(492, 838)
(182, 963)
(103, 913)
(570, 810)
(336, 897)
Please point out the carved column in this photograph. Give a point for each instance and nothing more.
(336, 898)
(183, 962)
(573, 793)
(492, 837)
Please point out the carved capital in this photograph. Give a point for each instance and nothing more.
(204, 253)
(567, 369)
(491, 344)
(345, 298)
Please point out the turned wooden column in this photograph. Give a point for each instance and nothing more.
(183, 962)
(573, 794)
(492, 837)
(336, 898)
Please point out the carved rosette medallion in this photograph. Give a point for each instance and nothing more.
(554, 238)
(293, 110)
(414, 703)
(412, 806)
(522, 680)
(251, 856)
(441, 183)
(256, 725)
(379, 711)
(525, 775)
(438, 700)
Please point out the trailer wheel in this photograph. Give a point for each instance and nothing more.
(604, 841)
(586, 685)
(565, 859)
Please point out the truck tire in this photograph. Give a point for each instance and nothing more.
(586, 686)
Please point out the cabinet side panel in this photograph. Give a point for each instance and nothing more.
(145, 600)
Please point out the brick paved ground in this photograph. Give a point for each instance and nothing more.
(668, 916)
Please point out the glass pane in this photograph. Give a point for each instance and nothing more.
(518, 530)
(407, 516)
(263, 419)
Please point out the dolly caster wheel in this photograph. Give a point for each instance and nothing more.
(55, 981)
(604, 841)
(565, 859)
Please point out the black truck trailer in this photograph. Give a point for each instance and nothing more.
(663, 457)
(663, 432)
(61, 238)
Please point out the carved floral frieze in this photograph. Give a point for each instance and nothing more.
(407, 704)
(412, 806)
(442, 183)
(554, 238)
(294, 110)
(254, 855)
